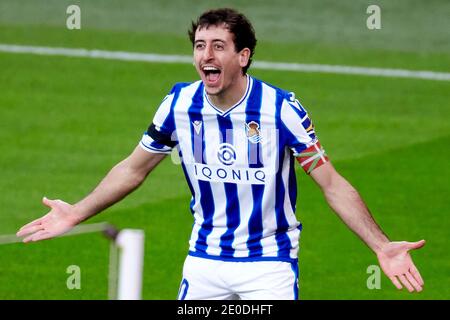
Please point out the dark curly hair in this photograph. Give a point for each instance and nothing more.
(236, 23)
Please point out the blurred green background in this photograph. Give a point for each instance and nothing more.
(64, 122)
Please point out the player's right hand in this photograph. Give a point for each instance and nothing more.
(58, 221)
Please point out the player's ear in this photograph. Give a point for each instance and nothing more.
(244, 56)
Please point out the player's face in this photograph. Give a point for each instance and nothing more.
(216, 59)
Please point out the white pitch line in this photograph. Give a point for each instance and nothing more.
(266, 65)
(84, 228)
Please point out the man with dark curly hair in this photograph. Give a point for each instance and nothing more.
(238, 138)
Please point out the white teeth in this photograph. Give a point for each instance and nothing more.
(209, 68)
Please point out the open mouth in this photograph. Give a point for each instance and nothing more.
(212, 74)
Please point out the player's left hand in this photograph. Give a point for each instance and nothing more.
(397, 264)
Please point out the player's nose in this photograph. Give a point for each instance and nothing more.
(208, 53)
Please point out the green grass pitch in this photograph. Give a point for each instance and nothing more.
(64, 122)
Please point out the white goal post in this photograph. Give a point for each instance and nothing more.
(126, 257)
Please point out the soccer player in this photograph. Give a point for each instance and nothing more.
(238, 138)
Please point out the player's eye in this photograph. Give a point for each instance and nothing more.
(219, 47)
(199, 46)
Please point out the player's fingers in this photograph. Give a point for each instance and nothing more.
(28, 238)
(413, 282)
(415, 245)
(415, 273)
(31, 224)
(396, 282)
(40, 235)
(406, 283)
(29, 230)
(47, 202)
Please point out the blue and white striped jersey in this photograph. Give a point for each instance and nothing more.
(239, 166)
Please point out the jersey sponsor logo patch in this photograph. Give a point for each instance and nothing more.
(226, 154)
(230, 174)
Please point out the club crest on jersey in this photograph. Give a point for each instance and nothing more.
(252, 131)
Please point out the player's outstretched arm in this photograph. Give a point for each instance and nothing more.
(121, 180)
(393, 257)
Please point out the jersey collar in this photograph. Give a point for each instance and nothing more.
(225, 113)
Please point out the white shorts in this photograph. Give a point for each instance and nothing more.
(207, 279)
